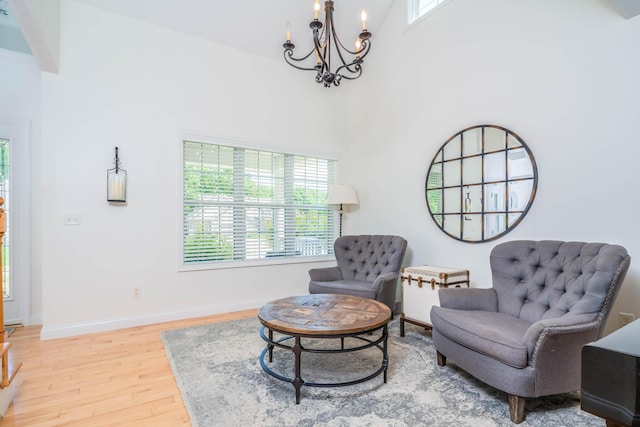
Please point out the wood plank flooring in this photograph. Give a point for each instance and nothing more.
(116, 378)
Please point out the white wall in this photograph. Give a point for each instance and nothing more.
(130, 84)
(19, 87)
(562, 75)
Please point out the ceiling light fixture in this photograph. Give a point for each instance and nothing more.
(325, 40)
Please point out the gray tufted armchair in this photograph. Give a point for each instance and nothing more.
(524, 336)
(368, 266)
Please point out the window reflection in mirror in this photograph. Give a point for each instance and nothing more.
(481, 183)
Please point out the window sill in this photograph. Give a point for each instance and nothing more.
(255, 263)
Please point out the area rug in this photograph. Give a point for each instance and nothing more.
(222, 384)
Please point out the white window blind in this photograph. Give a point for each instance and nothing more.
(243, 204)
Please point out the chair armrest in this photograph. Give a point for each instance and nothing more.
(480, 299)
(557, 352)
(385, 286)
(328, 274)
(382, 279)
(540, 333)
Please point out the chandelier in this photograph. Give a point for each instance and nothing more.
(326, 42)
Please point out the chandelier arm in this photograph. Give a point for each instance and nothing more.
(288, 57)
(317, 46)
(335, 35)
(364, 50)
(338, 45)
(357, 71)
(366, 46)
(357, 63)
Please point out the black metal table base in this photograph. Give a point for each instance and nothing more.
(297, 348)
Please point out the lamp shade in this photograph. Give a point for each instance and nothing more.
(342, 195)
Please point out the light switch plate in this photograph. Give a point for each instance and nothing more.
(71, 219)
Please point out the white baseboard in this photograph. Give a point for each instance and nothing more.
(53, 332)
(35, 319)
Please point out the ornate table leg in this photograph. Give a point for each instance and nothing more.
(297, 382)
(385, 354)
(270, 345)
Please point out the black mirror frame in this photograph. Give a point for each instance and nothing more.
(506, 180)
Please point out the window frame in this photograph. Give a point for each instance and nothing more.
(413, 17)
(247, 144)
(18, 134)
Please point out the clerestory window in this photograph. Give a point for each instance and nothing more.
(420, 8)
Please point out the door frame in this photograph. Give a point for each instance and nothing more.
(18, 133)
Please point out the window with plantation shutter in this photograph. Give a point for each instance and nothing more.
(244, 204)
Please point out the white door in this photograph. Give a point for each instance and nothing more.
(14, 191)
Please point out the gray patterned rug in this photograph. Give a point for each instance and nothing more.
(217, 370)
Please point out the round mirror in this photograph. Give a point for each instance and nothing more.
(481, 183)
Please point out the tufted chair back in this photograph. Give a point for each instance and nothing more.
(537, 280)
(366, 257)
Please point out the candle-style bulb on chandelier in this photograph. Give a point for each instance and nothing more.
(325, 44)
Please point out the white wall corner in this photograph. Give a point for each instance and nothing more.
(35, 319)
(40, 23)
(627, 8)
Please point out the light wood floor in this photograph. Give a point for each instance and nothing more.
(118, 378)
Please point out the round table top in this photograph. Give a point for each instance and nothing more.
(324, 314)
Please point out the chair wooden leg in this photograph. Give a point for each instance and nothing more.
(442, 359)
(516, 408)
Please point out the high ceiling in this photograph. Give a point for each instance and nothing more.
(256, 26)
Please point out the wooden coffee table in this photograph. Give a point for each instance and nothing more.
(323, 316)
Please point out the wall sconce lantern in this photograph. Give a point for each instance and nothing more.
(117, 182)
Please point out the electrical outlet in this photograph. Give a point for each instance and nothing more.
(626, 318)
(137, 292)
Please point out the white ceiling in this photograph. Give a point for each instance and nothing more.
(256, 26)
